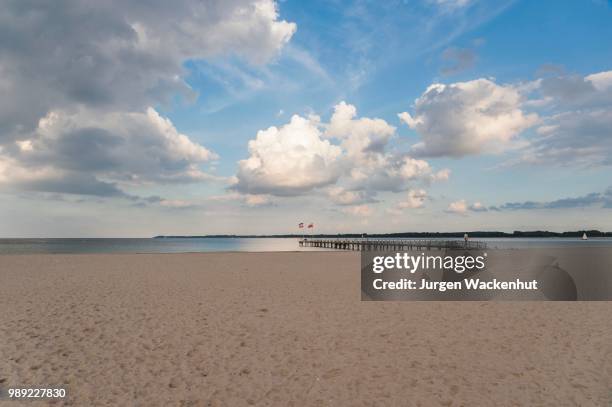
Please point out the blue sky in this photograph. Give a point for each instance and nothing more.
(159, 121)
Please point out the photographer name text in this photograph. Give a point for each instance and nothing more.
(469, 284)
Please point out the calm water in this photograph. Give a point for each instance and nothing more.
(182, 245)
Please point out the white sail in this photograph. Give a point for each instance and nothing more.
(584, 236)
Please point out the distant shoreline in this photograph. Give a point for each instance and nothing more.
(473, 234)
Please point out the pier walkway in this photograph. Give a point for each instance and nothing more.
(391, 244)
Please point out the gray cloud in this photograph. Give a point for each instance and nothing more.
(581, 134)
(119, 54)
(77, 78)
(582, 138)
(594, 199)
(120, 146)
(457, 60)
(601, 199)
(344, 197)
(74, 184)
(575, 91)
(550, 69)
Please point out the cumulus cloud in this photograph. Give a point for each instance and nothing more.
(360, 137)
(368, 163)
(466, 118)
(257, 200)
(395, 173)
(415, 199)
(289, 160)
(480, 116)
(359, 210)
(581, 132)
(351, 155)
(77, 77)
(119, 54)
(459, 207)
(342, 196)
(87, 151)
(478, 207)
(121, 146)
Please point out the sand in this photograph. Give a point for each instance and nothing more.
(282, 329)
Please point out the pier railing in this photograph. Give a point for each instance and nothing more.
(392, 244)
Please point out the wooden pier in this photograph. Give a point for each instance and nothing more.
(392, 244)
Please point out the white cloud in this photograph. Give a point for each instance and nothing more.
(359, 210)
(414, 199)
(396, 173)
(12, 172)
(77, 78)
(466, 118)
(297, 159)
(370, 166)
(289, 160)
(602, 81)
(342, 196)
(360, 137)
(24, 145)
(257, 200)
(478, 207)
(480, 116)
(459, 207)
(176, 203)
(243, 199)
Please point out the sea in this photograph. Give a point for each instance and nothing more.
(237, 244)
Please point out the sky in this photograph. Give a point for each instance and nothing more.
(124, 119)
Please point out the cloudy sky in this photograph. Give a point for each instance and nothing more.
(121, 118)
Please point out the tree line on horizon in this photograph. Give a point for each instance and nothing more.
(516, 233)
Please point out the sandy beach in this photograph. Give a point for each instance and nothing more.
(282, 329)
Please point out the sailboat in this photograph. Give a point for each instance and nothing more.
(584, 236)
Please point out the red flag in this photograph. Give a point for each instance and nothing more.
(301, 225)
(311, 226)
